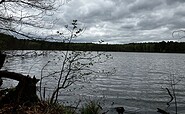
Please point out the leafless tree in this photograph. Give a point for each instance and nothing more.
(18, 15)
(76, 66)
(15, 17)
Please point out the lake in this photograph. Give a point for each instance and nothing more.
(139, 83)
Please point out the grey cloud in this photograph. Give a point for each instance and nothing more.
(180, 11)
(124, 21)
(148, 24)
(173, 2)
(128, 26)
(177, 24)
(145, 5)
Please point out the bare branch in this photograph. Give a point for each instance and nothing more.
(168, 103)
(19, 33)
(15, 15)
(2, 1)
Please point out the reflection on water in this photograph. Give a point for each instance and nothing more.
(138, 84)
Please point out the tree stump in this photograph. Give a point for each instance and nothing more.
(24, 92)
(2, 59)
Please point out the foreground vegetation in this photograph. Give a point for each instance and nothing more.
(37, 108)
(45, 107)
(76, 66)
(11, 43)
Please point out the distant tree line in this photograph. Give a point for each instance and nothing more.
(11, 43)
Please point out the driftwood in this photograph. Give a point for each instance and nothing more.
(24, 92)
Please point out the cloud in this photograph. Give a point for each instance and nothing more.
(145, 5)
(174, 2)
(122, 21)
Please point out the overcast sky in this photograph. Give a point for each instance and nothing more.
(124, 21)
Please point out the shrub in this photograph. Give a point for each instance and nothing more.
(92, 107)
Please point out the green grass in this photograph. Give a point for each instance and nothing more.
(91, 108)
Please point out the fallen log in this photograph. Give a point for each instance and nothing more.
(24, 92)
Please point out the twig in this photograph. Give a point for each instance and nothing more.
(168, 103)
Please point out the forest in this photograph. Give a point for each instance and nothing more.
(8, 42)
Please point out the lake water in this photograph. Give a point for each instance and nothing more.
(138, 84)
